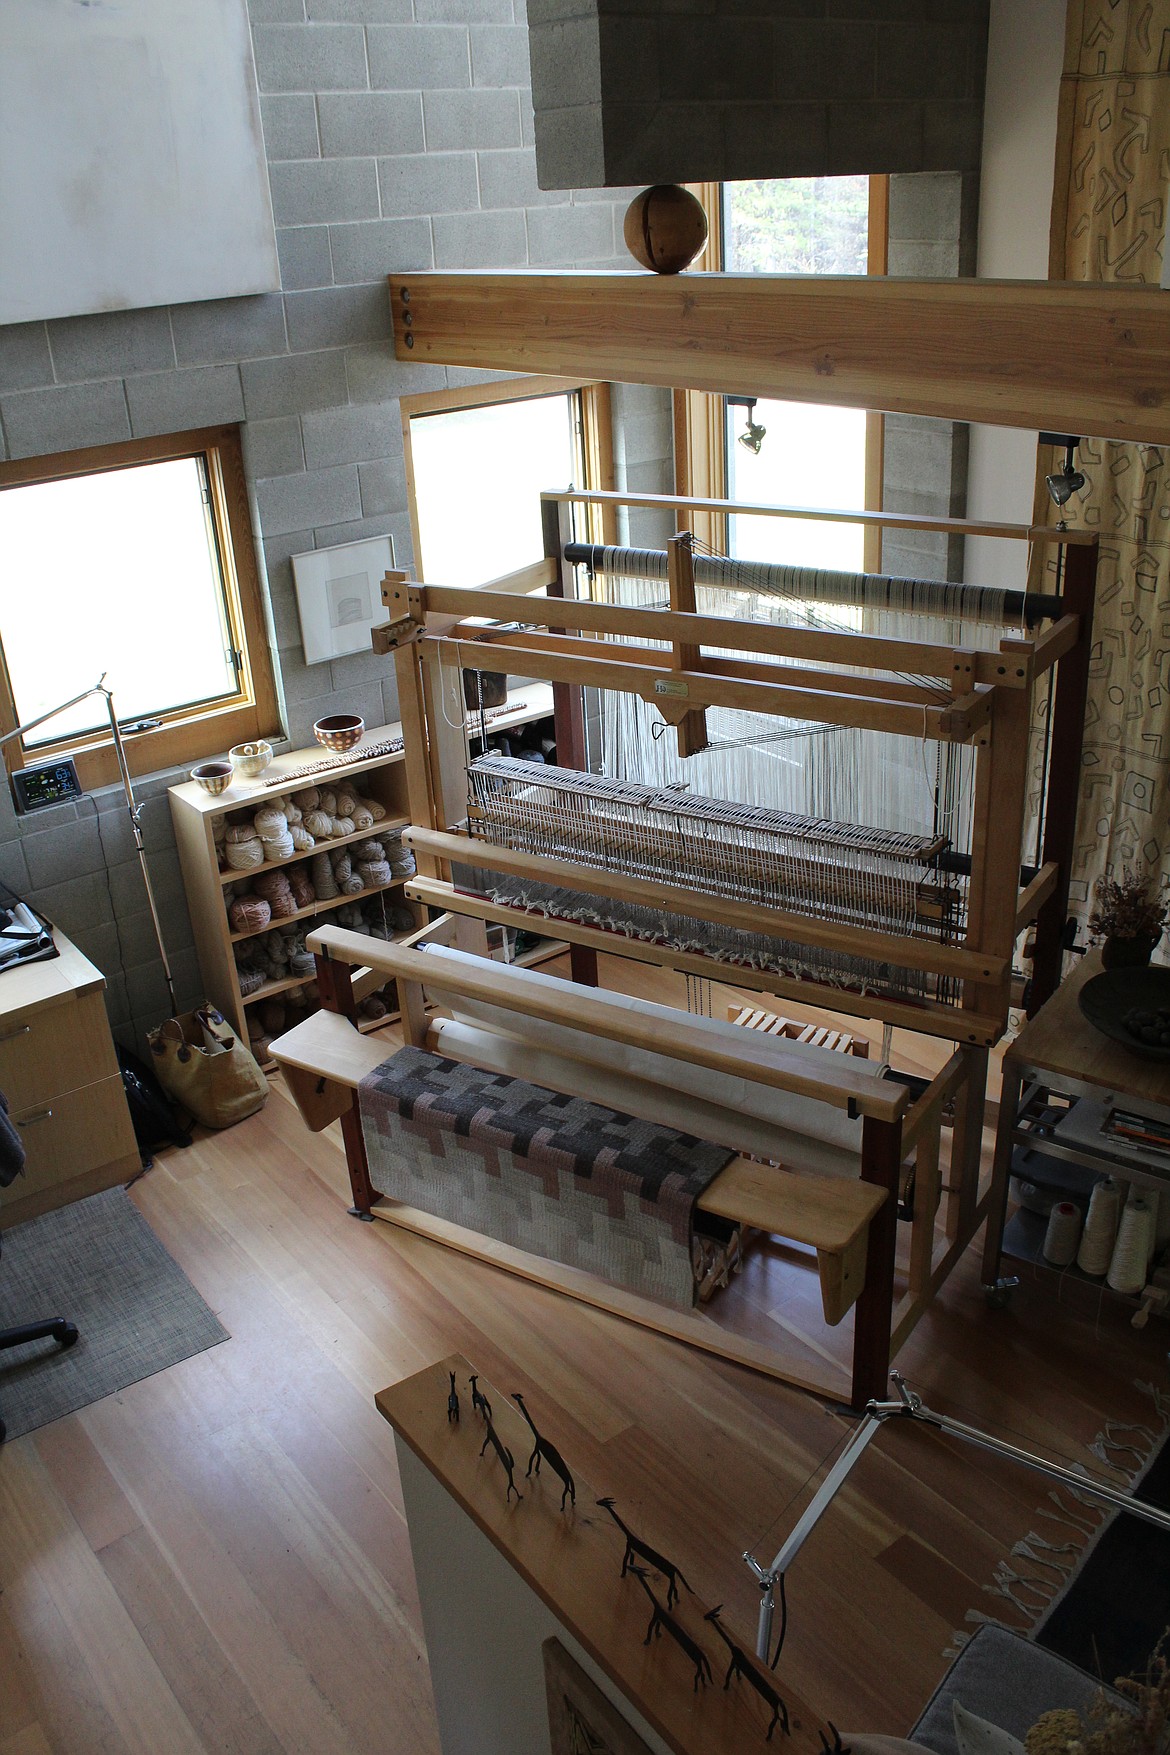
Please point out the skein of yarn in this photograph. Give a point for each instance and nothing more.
(1100, 1233)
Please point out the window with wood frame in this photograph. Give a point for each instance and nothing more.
(477, 461)
(135, 560)
(812, 455)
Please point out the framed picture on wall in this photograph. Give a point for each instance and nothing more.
(581, 1721)
(339, 596)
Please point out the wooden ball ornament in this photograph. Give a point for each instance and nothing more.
(665, 228)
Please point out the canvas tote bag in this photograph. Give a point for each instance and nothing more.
(201, 1062)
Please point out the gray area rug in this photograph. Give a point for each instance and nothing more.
(98, 1264)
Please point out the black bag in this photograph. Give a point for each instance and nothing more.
(156, 1121)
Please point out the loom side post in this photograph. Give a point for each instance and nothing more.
(568, 706)
(1064, 769)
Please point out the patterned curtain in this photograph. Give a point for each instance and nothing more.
(1112, 170)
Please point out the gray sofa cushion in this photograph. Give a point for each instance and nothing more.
(1005, 1678)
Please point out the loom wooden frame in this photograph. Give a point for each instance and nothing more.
(982, 697)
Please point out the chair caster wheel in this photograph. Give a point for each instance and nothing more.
(998, 1295)
(65, 1333)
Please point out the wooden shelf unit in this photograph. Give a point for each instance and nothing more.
(193, 811)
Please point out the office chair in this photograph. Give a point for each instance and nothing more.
(53, 1327)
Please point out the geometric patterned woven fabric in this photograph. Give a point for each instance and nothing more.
(557, 1176)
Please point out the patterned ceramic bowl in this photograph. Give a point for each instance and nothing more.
(213, 776)
(250, 759)
(339, 731)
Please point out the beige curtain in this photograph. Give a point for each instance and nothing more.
(1112, 172)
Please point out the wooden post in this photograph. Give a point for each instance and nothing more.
(1064, 771)
(336, 988)
(568, 707)
(1001, 775)
(680, 569)
(967, 1146)
(881, 1163)
(419, 795)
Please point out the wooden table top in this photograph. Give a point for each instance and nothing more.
(1060, 1039)
(573, 1563)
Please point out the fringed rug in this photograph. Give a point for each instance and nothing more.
(1088, 1583)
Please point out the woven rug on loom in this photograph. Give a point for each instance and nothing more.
(558, 1176)
(98, 1264)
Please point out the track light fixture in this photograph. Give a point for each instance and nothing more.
(1064, 483)
(753, 435)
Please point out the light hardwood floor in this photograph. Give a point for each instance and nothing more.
(216, 1559)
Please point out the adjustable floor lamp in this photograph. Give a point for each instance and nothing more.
(133, 808)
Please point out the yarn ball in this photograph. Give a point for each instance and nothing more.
(373, 1007)
(342, 864)
(243, 847)
(352, 885)
(249, 914)
(376, 810)
(324, 883)
(361, 816)
(300, 837)
(374, 873)
(369, 850)
(665, 228)
(319, 824)
(308, 798)
(250, 980)
(328, 801)
(302, 889)
(343, 826)
(301, 960)
(274, 885)
(292, 811)
(272, 1016)
(270, 822)
(347, 801)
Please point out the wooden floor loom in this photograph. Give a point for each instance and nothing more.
(905, 930)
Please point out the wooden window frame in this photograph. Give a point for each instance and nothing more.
(700, 428)
(186, 734)
(596, 437)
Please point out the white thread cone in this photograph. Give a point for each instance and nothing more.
(1063, 1234)
(1100, 1233)
(1131, 1252)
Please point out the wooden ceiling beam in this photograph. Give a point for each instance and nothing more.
(1089, 359)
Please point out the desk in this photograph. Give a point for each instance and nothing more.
(1059, 1050)
(60, 1074)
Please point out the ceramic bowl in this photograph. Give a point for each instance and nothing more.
(213, 776)
(250, 759)
(339, 731)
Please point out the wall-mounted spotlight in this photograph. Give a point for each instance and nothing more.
(753, 435)
(1064, 483)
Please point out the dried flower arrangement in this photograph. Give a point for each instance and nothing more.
(1138, 1726)
(1124, 908)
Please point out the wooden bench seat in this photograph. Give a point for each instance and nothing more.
(325, 1058)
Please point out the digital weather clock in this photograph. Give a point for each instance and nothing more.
(51, 783)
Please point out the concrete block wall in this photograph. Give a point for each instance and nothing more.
(399, 135)
(632, 91)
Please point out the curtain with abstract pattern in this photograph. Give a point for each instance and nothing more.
(1112, 171)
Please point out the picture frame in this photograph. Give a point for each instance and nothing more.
(581, 1720)
(339, 596)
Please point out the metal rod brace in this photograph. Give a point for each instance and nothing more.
(909, 1406)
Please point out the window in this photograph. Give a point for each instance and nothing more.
(478, 461)
(135, 560)
(813, 455)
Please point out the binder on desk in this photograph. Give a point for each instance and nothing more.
(24, 936)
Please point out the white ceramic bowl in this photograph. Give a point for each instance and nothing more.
(250, 759)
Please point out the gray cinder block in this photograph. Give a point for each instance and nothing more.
(323, 190)
(508, 179)
(65, 418)
(361, 124)
(350, 435)
(363, 253)
(290, 125)
(310, 57)
(499, 55)
(320, 496)
(562, 236)
(25, 361)
(111, 344)
(53, 856)
(427, 183)
(337, 316)
(273, 447)
(383, 485)
(215, 330)
(413, 58)
(199, 396)
(305, 261)
(374, 373)
(480, 240)
(293, 384)
(459, 119)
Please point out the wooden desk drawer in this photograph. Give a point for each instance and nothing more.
(55, 1048)
(67, 1136)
